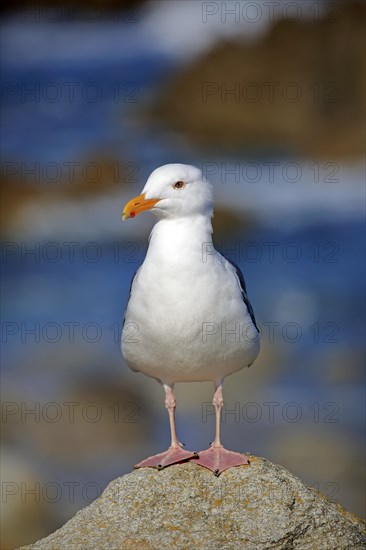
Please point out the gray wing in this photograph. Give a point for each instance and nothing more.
(129, 295)
(243, 288)
(124, 315)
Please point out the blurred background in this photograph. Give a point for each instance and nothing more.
(268, 100)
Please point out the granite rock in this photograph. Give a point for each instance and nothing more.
(187, 507)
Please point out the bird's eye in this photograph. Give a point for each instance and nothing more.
(178, 184)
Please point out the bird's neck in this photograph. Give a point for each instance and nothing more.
(179, 237)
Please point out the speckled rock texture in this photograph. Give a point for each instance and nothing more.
(186, 507)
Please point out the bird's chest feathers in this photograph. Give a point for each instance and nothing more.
(178, 290)
(178, 285)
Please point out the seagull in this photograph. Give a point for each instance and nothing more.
(188, 317)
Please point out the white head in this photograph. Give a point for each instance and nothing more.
(173, 190)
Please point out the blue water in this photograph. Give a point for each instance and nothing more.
(63, 112)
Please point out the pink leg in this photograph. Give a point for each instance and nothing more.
(218, 403)
(217, 458)
(175, 453)
(170, 403)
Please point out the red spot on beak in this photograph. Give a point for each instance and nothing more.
(132, 215)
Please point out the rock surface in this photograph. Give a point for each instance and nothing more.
(187, 507)
(298, 90)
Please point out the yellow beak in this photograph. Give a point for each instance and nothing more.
(137, 205)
